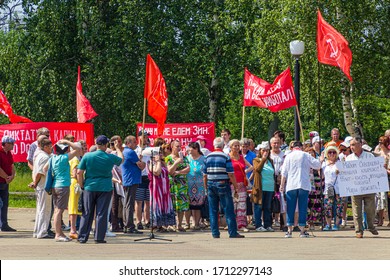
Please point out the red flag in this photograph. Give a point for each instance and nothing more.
(6, 109)
(332, 48)
(254, 87)
(280, 95)
(85, 112)
(156, 94)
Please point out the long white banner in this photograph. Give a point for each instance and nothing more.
(364, 176)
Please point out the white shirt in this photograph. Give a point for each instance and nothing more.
(296, 168)
(278, 161)
(331, 176)
(363, 155)
(226, 148)
(39, 163)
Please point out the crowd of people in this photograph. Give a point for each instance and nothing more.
(130, 187)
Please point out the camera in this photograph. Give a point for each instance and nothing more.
(150, 151)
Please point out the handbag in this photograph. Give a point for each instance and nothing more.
(49, 178)
(275, 205)
(246, 182)
(80, 203)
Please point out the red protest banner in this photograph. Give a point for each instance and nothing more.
(254, 87)
(26, 133)
(280, 95)
(184, 132)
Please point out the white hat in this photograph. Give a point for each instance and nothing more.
(263, 145)
(345, 144)
(316, 139)
(366, 148)
(348, 139)
(313, 134)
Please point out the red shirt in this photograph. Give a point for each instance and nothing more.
(6, 162)
(239, 167)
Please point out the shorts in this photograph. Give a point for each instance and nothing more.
(142, 193)
(60, 198)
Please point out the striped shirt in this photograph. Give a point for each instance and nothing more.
(217, 166)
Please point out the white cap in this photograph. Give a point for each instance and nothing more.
(366, 148)
(316, 139)
(348, 139)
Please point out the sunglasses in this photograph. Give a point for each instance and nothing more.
(332, 152)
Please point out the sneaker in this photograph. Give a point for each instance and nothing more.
(147, 225)
(63, 239)
(261, 229)
(270, 229)
(335, 228)
(344, 223)
(73, 235)
(7, 228)
(140, 226)
(326, 228)
(288, 235)
(304, 234)
(110, 234)
(277, 224)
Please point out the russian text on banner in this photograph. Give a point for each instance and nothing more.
(25, 134)
(364, 176)
(254, 88)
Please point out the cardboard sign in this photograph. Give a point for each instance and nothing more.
(364, 176)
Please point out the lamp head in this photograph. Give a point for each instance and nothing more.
(297, 48)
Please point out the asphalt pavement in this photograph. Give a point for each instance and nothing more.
(194, 245)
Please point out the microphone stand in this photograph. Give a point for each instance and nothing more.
(151, 234)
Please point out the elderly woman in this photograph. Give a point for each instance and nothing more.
(263, 188)
(196, 188)
(239, 163)
(178, 168)
(62, 182)
(97, 185)
(332, 199)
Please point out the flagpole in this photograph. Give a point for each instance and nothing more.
(318, 98)
(143, 124)
(300, 123)
(243, 122)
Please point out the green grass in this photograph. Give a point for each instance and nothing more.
(19, 191)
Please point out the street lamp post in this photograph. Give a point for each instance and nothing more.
(297, 48)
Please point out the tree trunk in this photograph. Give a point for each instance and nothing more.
(351, 120)
(213, 94)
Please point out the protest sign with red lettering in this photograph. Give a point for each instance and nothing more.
(280, 95)
(26, 133)
(254, 87)
(184, 132)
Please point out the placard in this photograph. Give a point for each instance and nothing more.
(363, 176)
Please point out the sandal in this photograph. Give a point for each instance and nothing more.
(181, 229)
(63, 239)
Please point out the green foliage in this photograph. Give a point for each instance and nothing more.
(201, 48)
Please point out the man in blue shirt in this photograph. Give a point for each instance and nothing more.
(131, 177)
(217, 172)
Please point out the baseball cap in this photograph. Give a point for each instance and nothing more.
(201, 137)
(313, 134)
(61, 148)
(345, 144)
(102, 140)
(316, 139)
(145, 133)
(264, 145)
(7, 139)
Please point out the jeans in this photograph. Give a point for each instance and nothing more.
(292, 197)
(265, 210)
(219, 192)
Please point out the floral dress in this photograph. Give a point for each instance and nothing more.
(196, 189)
(161, 208)
(179, 186)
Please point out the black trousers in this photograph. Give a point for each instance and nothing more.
(99, 201)
(128, 206)
(4, 195)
